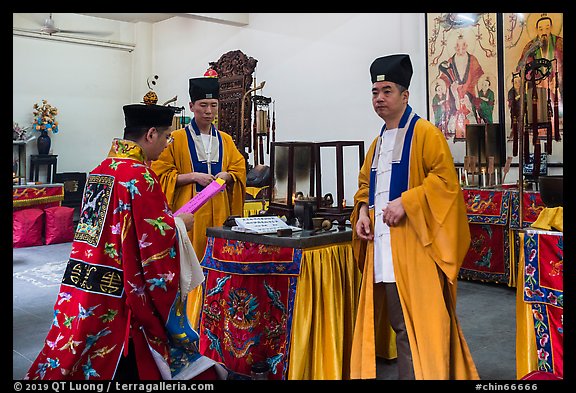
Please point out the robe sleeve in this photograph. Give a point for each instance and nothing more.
(236, 167)
(434, 202)
(169, 165)
(361, 196)
(152, 274)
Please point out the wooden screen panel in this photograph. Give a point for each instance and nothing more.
(235, 71)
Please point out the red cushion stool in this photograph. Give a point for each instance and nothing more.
(27, 227)
(59, 224)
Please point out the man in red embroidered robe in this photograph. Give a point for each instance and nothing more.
(121, 294)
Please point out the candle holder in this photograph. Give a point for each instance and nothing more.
(304, 210)
(485, 145)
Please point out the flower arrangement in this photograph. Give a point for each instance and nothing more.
(45, 117)
(19, 133)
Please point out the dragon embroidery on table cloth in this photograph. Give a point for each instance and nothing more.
(533, 208)
(243, 324)
(240, 311)
(266, 249)
(479, 205)
(481, 245)
(233, 248)
(248, 303)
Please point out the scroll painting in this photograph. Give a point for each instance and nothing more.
(462, 58)
(529, 38)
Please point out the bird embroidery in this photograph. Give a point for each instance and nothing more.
(55, 319)
(214, 343)
(142, 242)
(88, 370)
(115, 228)
(83, 313)
(114, 164)
(42, 367)
(103, 351)
(52, 344)
(219, 286)
(149, 180)
(161, 281)
(274, 297)
(140, 292)
(64, 297)
(68, 320)
(131, 187)
(90, 201)
(109, 315)
(91, 339)
(110, 250)
(122, 207)
(71, 345)
(158, 224)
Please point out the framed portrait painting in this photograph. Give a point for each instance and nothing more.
(535, 41)
(462, 75)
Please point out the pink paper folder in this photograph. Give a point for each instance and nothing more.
(202, 197)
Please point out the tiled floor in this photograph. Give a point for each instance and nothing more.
(486, 313)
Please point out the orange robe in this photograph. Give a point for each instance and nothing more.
(428, 247)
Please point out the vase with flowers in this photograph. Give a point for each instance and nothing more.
(44, 122)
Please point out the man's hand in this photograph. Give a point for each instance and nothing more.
(363, 225)
(203, 178)
(188, 219)
(224, 176)
(394, 212)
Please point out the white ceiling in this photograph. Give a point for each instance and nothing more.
(236, 19)
(132, 17)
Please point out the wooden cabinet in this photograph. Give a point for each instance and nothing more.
(19, 159)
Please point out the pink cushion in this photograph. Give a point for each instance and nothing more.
(59, 224)
(540, 375)
(27, 227)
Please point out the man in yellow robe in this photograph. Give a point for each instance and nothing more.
(199, 154)
(411, 236)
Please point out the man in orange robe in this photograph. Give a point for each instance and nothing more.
(411, 236)
(199, 154)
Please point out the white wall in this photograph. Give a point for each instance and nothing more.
(88, 84)
(316, 66)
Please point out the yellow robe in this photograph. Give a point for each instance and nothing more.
(428, 248)
(175, 160)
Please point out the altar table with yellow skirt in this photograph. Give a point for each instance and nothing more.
(540, 303)
(290, 302)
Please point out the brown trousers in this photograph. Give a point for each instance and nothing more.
(396, 317)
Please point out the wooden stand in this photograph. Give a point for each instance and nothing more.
(43, 159)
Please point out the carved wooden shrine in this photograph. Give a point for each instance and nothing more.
(235, 71)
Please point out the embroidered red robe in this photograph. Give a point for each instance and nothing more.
(122, 276)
